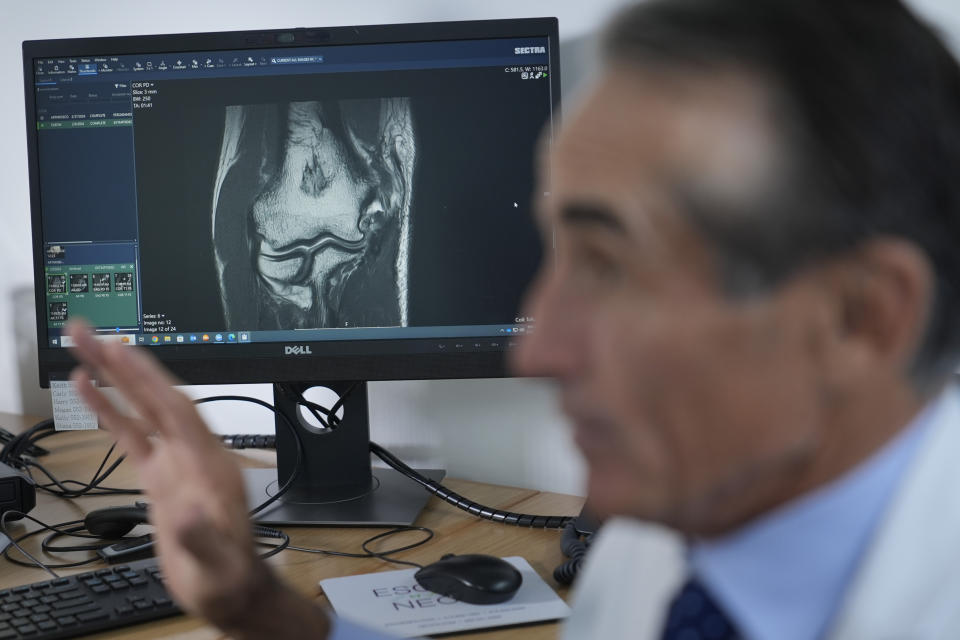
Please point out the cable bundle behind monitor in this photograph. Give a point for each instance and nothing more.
(17, 454)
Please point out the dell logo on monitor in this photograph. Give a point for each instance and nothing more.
(519, 51)
(299, 350)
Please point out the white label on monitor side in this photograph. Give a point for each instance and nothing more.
(70, 413)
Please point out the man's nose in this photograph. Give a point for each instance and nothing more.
(554, 348)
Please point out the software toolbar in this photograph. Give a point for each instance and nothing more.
(508, 52)
(446, 339)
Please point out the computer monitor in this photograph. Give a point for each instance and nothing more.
(295, 207)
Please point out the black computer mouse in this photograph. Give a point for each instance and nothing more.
(472, 578)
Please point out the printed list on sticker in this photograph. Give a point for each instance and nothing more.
(70, 413)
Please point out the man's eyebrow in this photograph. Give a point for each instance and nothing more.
(591, 215)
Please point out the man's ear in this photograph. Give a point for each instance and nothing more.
(882, 295)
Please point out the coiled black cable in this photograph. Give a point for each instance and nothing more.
(479, 510)
(249, 441)
(575, 550)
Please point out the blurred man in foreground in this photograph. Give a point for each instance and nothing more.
(750, 308)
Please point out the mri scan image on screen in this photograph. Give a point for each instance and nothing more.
(310, 215)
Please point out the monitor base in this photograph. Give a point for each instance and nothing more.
(396, 500)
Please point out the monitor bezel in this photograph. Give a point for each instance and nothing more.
(267, 362)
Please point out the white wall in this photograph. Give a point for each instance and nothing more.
(505, 431)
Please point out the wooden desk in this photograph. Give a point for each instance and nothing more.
(77, 455)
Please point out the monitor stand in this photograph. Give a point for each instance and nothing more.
(336, 484)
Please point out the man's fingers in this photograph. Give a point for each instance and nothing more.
(205, 542)
(144, 382)
(131, 434)
(215, 548)
(113, 364)
(86, 348)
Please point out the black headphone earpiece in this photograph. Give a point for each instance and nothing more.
(115, 522)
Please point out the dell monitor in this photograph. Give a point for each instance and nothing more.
(300, 207)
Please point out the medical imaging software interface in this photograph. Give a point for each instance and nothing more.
(325, 193)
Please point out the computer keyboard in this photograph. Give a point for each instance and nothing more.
(85, 603)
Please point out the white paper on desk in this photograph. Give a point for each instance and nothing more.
(393, 602)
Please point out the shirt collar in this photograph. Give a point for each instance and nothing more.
(783, 576)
